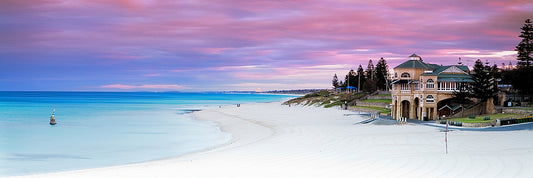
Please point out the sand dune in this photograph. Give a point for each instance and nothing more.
(273, 140)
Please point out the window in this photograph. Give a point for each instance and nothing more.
(405, 75)
(448, 86)
(430, 84)
(395, 75)
(421, 84)
(404, 86)
(430, 99)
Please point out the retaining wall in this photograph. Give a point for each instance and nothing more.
(372, 104)
(517, 111)
(483, 124)
(376, 97)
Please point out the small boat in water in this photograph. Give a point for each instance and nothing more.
(53, 118)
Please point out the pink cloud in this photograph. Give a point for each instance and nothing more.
(121, 55)
(210, 50)
(152, 75)
(252, 41)
(128, 87)
(498, 32)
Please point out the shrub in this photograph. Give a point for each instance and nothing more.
(458, 124)
(323, 93)
(443, 122)
(526, 119)
(472, 116)
(486, 118)
(452, 122)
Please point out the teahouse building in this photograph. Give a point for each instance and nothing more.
(423, 91)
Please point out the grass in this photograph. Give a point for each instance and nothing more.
(379, 109)
(326, 99)
(386, 101)
(480, 118)
(337, 103)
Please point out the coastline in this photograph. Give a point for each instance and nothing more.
(273, 140)
(236, 126)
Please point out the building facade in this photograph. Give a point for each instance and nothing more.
(423, 91)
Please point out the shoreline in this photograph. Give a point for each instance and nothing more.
(274, 140)
(227, 124)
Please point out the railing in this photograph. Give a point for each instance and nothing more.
(509, 121)
(474, 110)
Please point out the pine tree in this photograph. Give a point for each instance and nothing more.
(525, 47)
(370, 83)
(335, 81)
(522, 77)
(360, 77)
(381, 74)
(483, 85)
(496, 74)
(370, 72)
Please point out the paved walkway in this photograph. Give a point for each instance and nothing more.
(387, 120)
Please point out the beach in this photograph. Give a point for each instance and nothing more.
(274, 140)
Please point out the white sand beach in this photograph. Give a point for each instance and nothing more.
(274, 140)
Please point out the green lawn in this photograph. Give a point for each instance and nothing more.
(387, 101)
(480, 119)
(379, 109)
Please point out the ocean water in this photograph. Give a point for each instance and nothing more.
(99, 129)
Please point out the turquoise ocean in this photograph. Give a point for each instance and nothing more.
(100, 129)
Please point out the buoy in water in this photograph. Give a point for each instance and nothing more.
(53, 118)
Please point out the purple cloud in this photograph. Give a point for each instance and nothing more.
(239, 45)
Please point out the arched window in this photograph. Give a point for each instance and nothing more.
(430, 83)
(430, 99)
(405, 75)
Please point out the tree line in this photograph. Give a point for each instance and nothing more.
(369, 80)
(521, 77)
(486, 78)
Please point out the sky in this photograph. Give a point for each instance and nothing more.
(232, 45)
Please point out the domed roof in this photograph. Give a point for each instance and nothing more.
(414, 57)
(414, 61)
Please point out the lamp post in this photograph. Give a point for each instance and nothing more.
(348, 84)
(387, 81)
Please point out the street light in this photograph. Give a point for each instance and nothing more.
(348, 82)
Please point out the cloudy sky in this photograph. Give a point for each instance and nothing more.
(188, 45)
